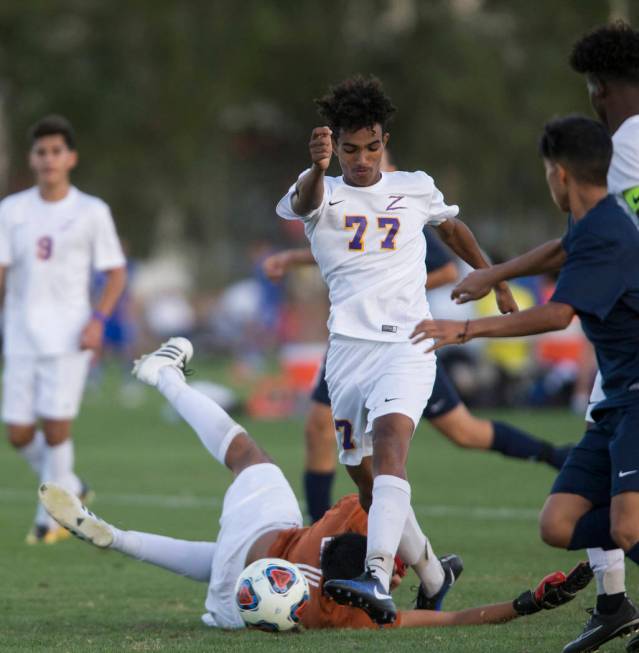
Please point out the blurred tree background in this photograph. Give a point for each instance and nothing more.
(193, 116)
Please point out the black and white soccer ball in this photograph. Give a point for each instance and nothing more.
(271, 594)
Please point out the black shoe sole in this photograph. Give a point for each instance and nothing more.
(347, 597)
(624, 631)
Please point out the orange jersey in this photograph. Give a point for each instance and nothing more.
(303, 547)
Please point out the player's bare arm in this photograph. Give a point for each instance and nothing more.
(548, 257)
(309, 191)
(276, 266)
(462, 241)
(553, 591)
(553, 316)
(93, 332)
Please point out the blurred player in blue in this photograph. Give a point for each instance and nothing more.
(595, 498)
(608, 57)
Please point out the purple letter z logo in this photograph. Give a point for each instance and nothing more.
(396, 198)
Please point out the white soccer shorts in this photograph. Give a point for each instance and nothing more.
(259, 500)
(596, 396)
(368, 379)
(50, 387)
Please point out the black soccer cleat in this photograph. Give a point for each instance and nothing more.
(633, 645)
(453, 567)
(601, 628)
(365, 592)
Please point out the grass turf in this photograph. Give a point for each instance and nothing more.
(152, 474)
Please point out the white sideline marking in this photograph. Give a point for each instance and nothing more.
(176, 501)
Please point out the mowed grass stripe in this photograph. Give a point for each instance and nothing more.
(179, 502)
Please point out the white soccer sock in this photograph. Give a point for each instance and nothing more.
(34, 452)
(609, 568)
(190, 559)
(58, 466)
(386, 519)
(415, 550)
(212, 424)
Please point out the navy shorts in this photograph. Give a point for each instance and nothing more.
(606, 460)
(443, 399)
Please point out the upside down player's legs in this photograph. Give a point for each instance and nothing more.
(183, 557)
(213, 425)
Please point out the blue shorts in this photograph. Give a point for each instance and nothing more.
(606, 461)
(443, 399)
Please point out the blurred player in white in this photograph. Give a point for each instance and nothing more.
(365, 230)
(51, 238)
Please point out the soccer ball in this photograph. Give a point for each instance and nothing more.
(271, 594)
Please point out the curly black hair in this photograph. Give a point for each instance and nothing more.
(344, 556)
(610, 52)
(356, 103)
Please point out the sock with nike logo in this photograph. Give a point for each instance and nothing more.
(415, 550)
(386, 519)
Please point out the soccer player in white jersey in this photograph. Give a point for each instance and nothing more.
(51, 237)
(365, 229)
(609, 59)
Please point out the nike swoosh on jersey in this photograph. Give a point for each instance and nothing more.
(334, 203)
(622, 474)
(391, 399)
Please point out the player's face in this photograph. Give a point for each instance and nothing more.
(360, 154)
(597, 95)
(556, 179)
(51, 160)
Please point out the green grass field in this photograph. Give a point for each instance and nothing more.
(151, 474)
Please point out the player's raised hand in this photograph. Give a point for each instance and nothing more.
(276, 265)
(321, 147)
(505, 301)
(474, 286)
(444, 332)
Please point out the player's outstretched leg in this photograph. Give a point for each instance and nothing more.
(182, 557)
(225, 439)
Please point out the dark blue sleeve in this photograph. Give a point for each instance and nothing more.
(565, 241)
(437, 256)
(591, 279)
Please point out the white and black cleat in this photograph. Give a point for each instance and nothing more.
(365, 592)
(68, 511)
(175, 352)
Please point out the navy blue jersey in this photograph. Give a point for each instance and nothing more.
(600, 280)
(437, 255)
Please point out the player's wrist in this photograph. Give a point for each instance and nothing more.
(526, 604)
(99, 316)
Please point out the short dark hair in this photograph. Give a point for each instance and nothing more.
(580, 144)
(344, 556)
(610, 52)
(356, 103)
(50, 126)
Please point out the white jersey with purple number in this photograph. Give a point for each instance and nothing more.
(369, 245)
(49, 250)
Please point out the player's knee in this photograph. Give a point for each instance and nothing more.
(624, 534)
(20, 436)
(554, 529)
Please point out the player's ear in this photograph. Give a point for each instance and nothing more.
(385, 138)
(73, 159)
